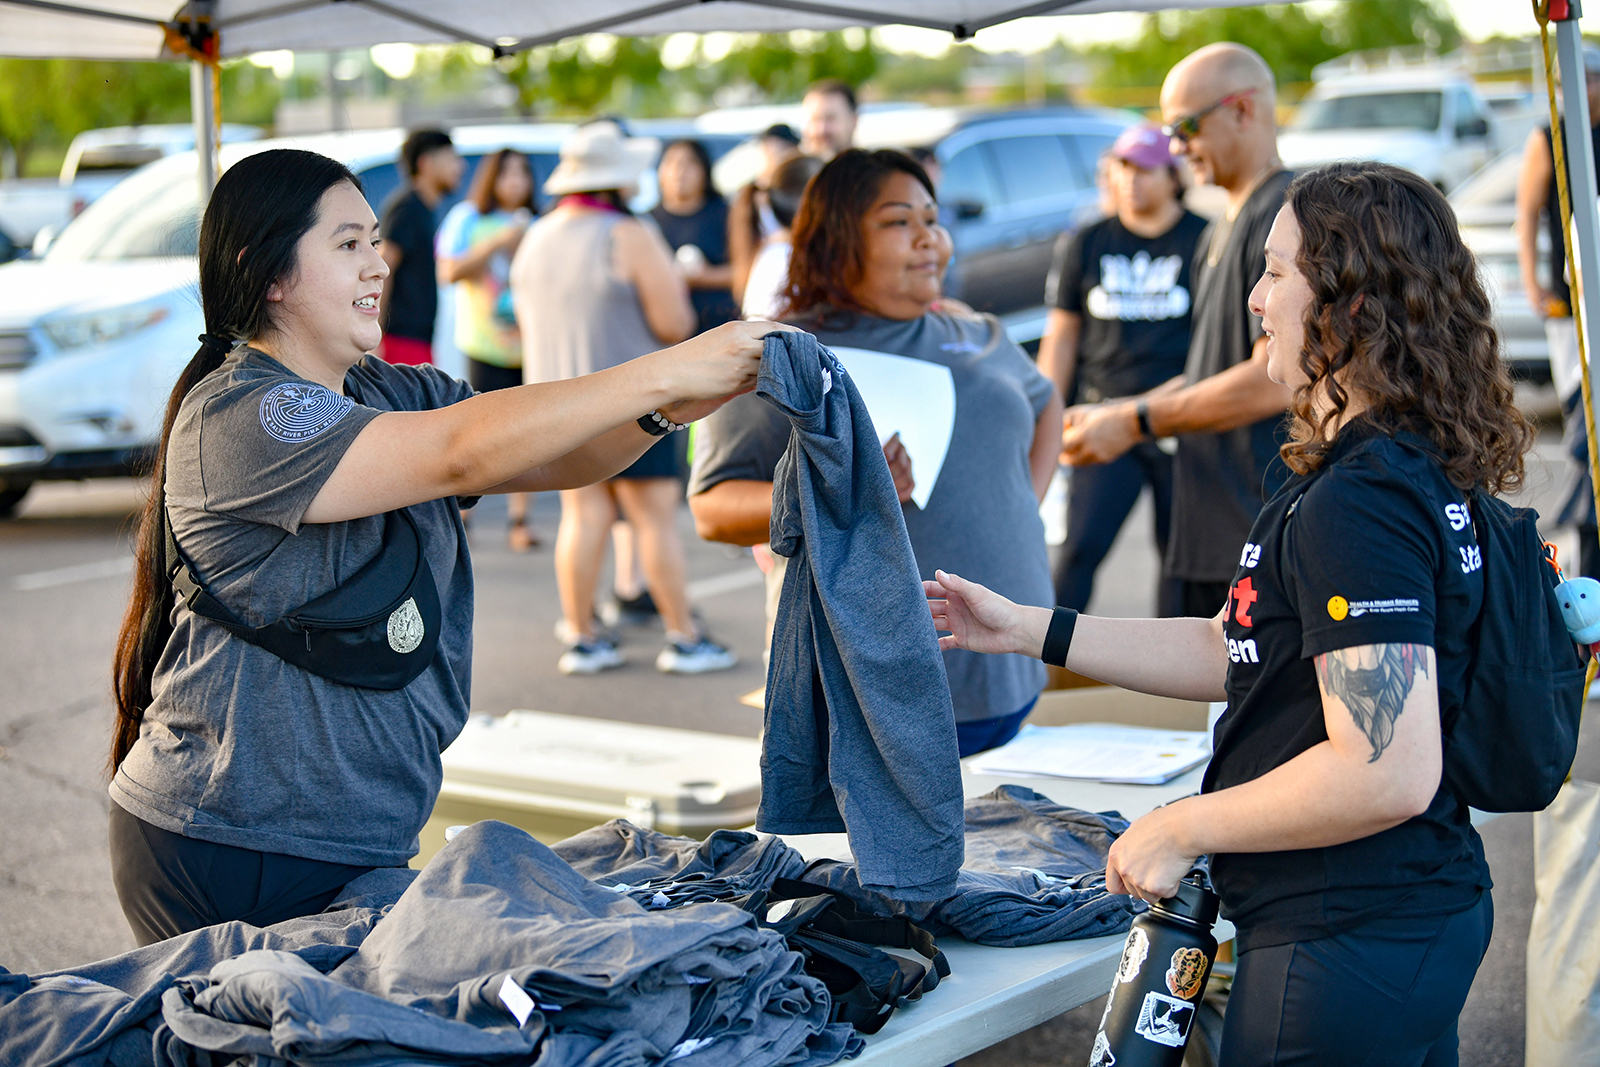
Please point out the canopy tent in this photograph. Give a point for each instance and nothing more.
(138, 29)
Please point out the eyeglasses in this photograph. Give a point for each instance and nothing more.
(1189, 125)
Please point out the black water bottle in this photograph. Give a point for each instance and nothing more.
(1155, 997)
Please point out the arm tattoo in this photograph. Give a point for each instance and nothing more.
(1374, 691)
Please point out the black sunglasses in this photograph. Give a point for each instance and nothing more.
(1189, 125)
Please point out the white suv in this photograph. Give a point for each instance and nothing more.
(93, 335)
(1433, 122)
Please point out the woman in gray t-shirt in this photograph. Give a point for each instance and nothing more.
(247, 783)
(869, 254)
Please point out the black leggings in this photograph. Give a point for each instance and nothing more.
(1387, 994)
(169, 884)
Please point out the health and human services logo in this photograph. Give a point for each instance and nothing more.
(298, 411)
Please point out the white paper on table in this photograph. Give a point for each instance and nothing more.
(1103, 752)
(913, 398)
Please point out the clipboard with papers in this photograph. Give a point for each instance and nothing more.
(1101, 752)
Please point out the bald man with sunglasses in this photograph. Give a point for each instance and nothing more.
(1218, 105)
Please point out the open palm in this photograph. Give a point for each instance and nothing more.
(977, 618)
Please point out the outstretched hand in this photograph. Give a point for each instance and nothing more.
(981, 620)
(711, 368)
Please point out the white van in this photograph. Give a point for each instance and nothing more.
(1431, 121)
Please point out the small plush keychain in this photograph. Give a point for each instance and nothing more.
(1579, 599)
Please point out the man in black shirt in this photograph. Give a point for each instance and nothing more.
(411, 294)
(1536, 195)
(1119, 295)
(1218, 103)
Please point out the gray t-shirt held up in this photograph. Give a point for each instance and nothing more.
(239, 747)
(982, 521)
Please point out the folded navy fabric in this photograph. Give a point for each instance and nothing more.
(1035, 871)
(660, 871)
(860, 733)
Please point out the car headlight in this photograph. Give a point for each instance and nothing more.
(99, 327)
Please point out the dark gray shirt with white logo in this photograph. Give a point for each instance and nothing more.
(238, 746)
(1135, 296)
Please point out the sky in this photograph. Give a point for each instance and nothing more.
(1477, 18)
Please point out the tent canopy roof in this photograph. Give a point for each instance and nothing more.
(133, 29)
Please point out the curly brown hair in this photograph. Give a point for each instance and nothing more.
(1399, 318)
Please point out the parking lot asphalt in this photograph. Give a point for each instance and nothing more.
(63, 584)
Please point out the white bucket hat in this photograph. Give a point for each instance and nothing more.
(599, 157)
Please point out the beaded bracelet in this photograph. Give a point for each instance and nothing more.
(658, 425)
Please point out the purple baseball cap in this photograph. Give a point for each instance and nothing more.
(1143, 146)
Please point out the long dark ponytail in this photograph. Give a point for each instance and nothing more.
(260, 209)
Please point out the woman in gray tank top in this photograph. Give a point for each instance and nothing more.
(593, 287)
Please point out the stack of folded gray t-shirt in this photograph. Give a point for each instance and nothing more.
(498, 953)
(1035, 871)
(661, 872)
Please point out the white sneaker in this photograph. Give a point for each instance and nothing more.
(589, 657)
(697, 657)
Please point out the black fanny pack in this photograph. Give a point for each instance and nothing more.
(378, 629)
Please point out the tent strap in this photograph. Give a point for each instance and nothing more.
(1541, 13)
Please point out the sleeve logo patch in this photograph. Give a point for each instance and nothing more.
(1339, 608)
(298, 411)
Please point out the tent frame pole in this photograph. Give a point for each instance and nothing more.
(1581, 172)
(202, 97)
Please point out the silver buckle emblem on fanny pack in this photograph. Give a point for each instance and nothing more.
(405, 627)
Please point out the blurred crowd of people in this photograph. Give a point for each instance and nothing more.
(605, 285)
(1150, 352)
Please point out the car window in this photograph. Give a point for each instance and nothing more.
(1470, 120)
(377, 182)
(1087, 148)
(1033, 167)
(1372, 111)
(966, 179)
(381, 180)
(154, 212)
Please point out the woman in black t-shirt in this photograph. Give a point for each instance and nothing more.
(1353, 875)
(693, 218)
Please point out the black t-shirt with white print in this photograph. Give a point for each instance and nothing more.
(1379, 549)
(1134, 295)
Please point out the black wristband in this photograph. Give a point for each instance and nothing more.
(1141, 412)
(1058, 638)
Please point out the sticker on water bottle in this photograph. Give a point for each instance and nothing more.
(1164, 1020)
(1100, 1055)
(1133, 954)
(1187, 973)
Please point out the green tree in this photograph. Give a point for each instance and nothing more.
(1291, 40)
(569, 78)
(782, 65)
(47, 102)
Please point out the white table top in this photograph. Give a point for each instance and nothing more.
(993, 993)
